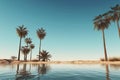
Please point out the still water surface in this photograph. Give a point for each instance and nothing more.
(59, 72)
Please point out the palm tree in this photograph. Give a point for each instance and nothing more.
(22, 32)
(116, 16)
(25, 50)
(28, 41)
(101, 24)
(45, 56)
(41, 34)
(32, 46)
(13, 57)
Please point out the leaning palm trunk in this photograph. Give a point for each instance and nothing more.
(39, 49)
(105, 51)
(19, 49)
(118, 28)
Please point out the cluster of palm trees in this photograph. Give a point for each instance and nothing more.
(103, 21)
(22, 33)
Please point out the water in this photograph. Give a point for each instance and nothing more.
(59, 72)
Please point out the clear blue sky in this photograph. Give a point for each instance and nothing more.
(68, 23)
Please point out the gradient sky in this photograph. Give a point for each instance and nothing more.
(68, 23)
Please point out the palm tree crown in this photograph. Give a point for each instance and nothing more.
(45, 55)
(32, 46)
(25, 50)
(116, 16)
(41, 33)
(22, 31)
(28, 41)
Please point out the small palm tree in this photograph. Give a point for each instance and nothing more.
(101, 24)
(45, 56)
(32, 46)
(28, 41)
(13, 57)
(25, 50)
(116, 16)
(22, 32)
(41, 34)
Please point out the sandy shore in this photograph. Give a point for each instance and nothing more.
(62, 62)
(71, 62)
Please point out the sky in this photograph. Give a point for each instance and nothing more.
(68, 24)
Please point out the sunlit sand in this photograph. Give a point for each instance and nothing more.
(62, 62)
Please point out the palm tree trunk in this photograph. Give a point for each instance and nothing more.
(19, 49)
(39, 49)
(105, 51)
(31, 55)
(118, 28)
(24, 57)
(43, 59)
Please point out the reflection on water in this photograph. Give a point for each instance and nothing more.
(107, 72)
(59, 72)
(24, 74)
(112, 66)
(115, 66)
(43, 68)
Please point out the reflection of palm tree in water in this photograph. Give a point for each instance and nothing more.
(107, 72)
(42, 69)
(23, 73)
(17, 69)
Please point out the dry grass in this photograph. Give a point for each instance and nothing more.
(111, 59)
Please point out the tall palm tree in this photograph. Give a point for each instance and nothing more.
(32, 46)
(116, 16)
(22, 32)
(28, 41)
(25, 50)
(101, 24)
(45, 56)
(41, 34)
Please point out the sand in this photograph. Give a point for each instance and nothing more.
(71, 62)
(62, 62)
